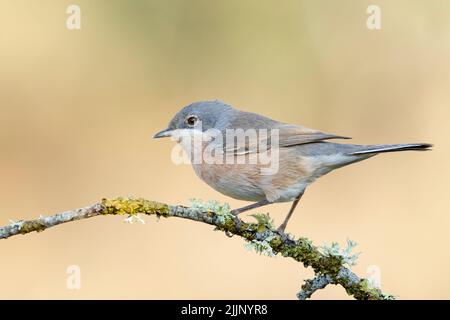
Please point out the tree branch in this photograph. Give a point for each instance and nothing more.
(311, 286)
(329, 268)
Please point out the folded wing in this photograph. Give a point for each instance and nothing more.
(280, 135)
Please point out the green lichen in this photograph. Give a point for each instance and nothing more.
(328, 264)
(276, 243)
(349, 258)
(131, 206)
(361, 290)
(218, 208)
(264, 221)
(302, 251)
(32, 225)
(220, 211)
(262, 247)
(228, 224)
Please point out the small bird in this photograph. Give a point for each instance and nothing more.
(298, 155)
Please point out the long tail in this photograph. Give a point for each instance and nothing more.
(379, 148)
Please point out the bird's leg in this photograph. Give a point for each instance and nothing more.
(249, 207)
(291, 211)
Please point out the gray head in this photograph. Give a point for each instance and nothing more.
(202, 115)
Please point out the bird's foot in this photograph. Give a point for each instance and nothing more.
(281, 229)
(249, 207)
(229, 234)
(235, 212)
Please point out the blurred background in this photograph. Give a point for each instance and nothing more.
(78, 109)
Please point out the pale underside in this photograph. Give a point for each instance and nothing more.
(296, 158)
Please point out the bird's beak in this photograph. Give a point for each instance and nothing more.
(163, 133)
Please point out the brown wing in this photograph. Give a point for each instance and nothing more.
(282, 135)
(291, 135)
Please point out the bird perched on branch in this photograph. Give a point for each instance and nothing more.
(250, 157)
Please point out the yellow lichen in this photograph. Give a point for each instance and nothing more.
(32, 225)
(131, 206)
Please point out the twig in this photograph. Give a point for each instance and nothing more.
(301, 250)
(312, 285)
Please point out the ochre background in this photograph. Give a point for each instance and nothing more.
(78, 110)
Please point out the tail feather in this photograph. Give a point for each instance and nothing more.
(381, 148)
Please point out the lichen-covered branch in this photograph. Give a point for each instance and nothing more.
(261, 234)
(312, 285)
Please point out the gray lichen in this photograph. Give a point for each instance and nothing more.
(330, 261)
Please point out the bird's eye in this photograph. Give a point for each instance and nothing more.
(191, 121)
